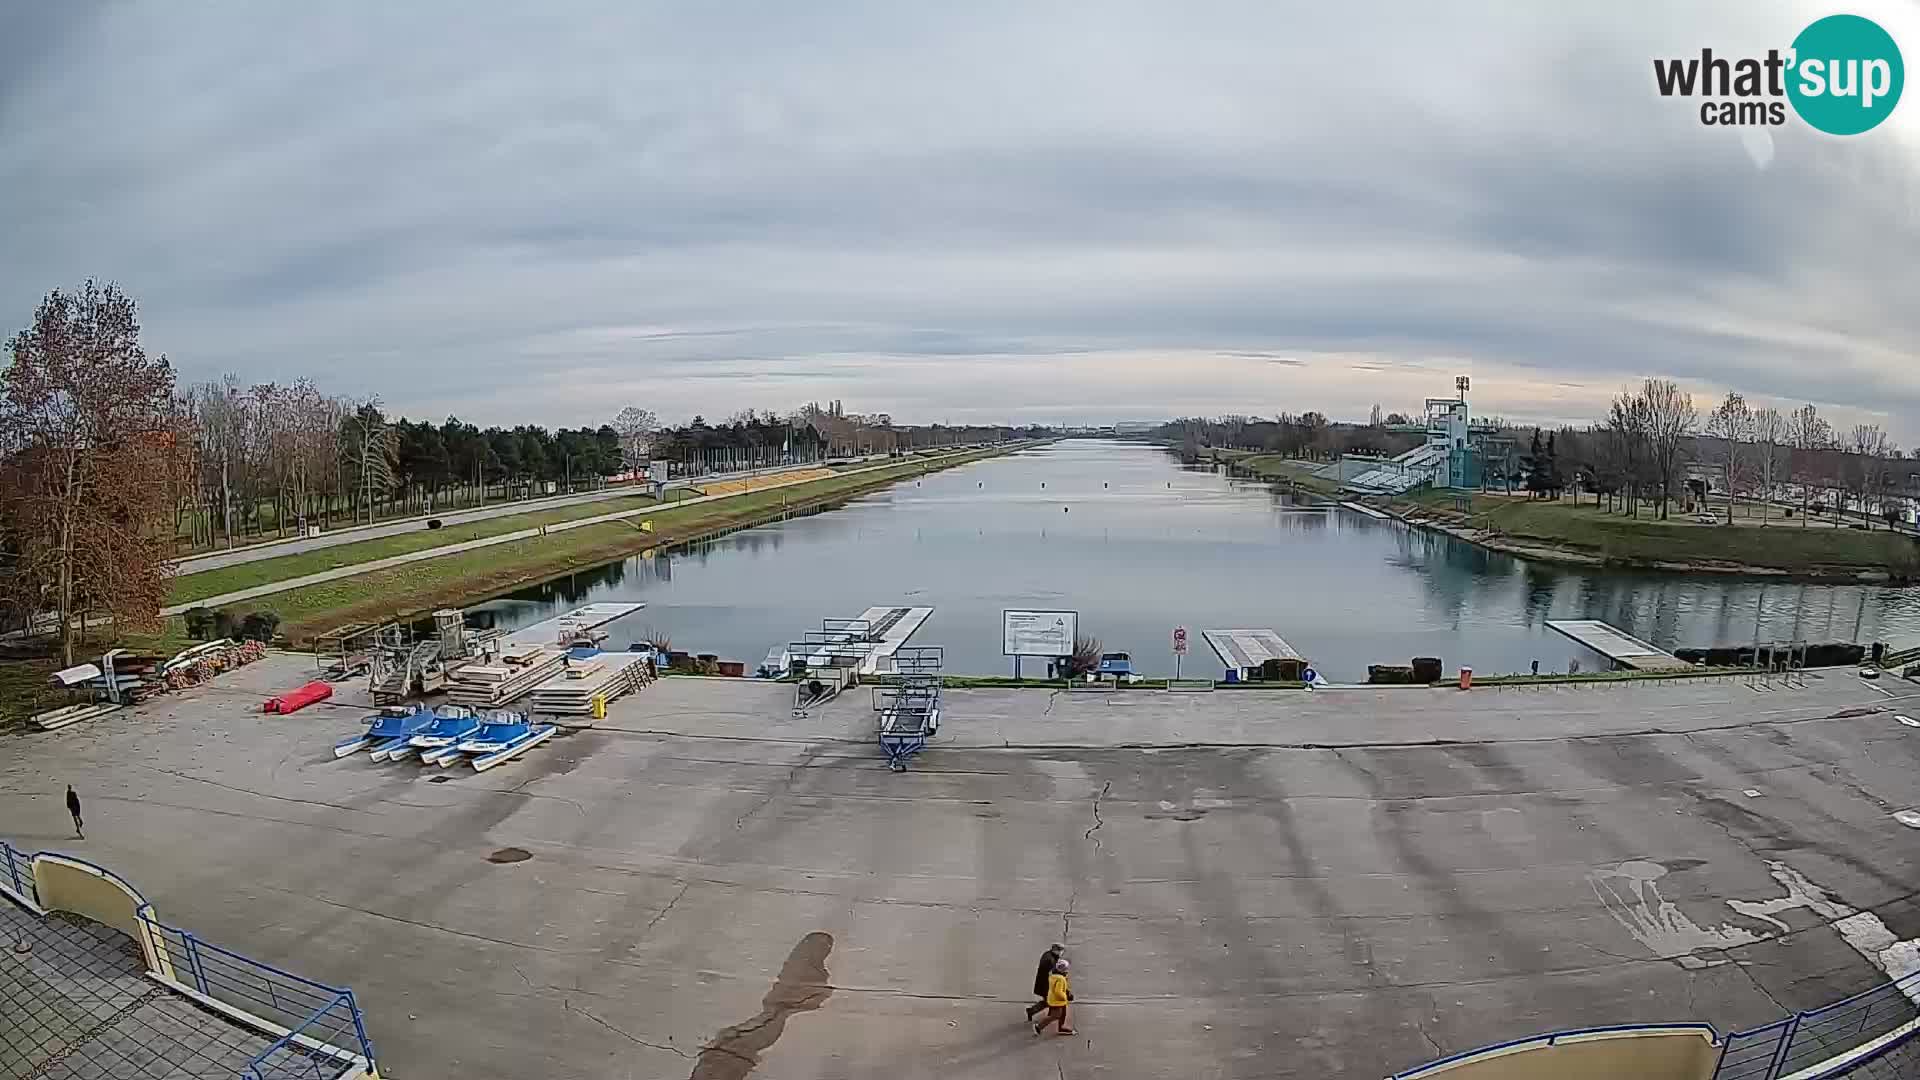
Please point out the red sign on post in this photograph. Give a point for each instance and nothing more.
(1179, 640)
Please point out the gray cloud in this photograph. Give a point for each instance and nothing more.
(957, 212)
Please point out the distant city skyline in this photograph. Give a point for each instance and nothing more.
(989, 212)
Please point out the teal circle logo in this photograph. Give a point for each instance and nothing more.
(1846, 75)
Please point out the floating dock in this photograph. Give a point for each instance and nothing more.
(1618, 646)
(569, 629)
(1367, 510)
(1251, 651)
(892, 626)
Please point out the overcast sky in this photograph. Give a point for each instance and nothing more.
(961, 211)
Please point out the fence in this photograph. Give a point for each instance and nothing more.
(1808, 1038)
(323, 1032)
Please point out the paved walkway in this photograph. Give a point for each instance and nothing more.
(273, 549)
(703, 876)
(372, 565)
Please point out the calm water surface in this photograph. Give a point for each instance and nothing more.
(1138, 544)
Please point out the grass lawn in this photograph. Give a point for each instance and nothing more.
(456, 579)
(1780, 546)
(1281, 467)
(190, 587)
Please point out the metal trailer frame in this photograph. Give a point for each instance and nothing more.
(909, 712)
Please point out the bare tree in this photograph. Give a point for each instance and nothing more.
(369, 451)
(1809, 434)
(1671, 420)
(1374, 418)
(88, 438)
(1732, 424)
(220, 413)
(1628, 433)
(636, 427)
(1867, 448)
(1769, 430)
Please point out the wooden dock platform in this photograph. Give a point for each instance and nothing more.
(1617, 645)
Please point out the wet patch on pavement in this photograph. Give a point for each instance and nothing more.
(801, 987)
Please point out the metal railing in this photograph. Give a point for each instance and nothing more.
(16, 872)
(323, 1023)
(1808, 1038)
(325, 1032)
(1791, 1045)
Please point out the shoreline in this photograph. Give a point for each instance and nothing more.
(1543, 550)
(387, 595)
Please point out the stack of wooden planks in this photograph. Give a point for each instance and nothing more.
(605, 676)
(517, 670)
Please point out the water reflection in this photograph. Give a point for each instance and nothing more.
(1138, 544)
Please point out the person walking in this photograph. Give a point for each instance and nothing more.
(1059, 992)
(73, 807)
(1040, 976)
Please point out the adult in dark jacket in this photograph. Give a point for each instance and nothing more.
(73, 807)
(1040, 976)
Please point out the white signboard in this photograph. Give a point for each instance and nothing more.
(1038, 633)
(1180, 640)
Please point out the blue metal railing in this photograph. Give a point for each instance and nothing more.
(326, 1034)
(18, 871)
(1769, 1052)
(321, 1020)
(1828, 1032)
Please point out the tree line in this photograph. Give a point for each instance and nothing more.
(1653, 446)
(1308, 435)
(108, 467)
(813, 432)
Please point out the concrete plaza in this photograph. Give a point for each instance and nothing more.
(1250, 883)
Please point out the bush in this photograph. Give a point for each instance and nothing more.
(224, 625)
(199, 623)
(259, 626)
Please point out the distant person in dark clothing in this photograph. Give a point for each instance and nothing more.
(1041, 975)
(1059, 993)
(73, 807)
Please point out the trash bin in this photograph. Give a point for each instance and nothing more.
(1466, 678)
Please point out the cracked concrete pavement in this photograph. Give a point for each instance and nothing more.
(1252, 884)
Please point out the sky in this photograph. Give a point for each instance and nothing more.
(973, 212)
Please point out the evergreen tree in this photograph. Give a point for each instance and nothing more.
(1539, 468)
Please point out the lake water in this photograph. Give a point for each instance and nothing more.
(1139, 544)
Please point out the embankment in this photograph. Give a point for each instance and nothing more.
(460, 578)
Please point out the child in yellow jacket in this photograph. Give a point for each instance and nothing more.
(1059, 992)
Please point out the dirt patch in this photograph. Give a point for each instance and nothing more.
(801, 987)
(510, 855)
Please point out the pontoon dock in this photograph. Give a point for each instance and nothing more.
(1250, 651)
(1617, 645)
